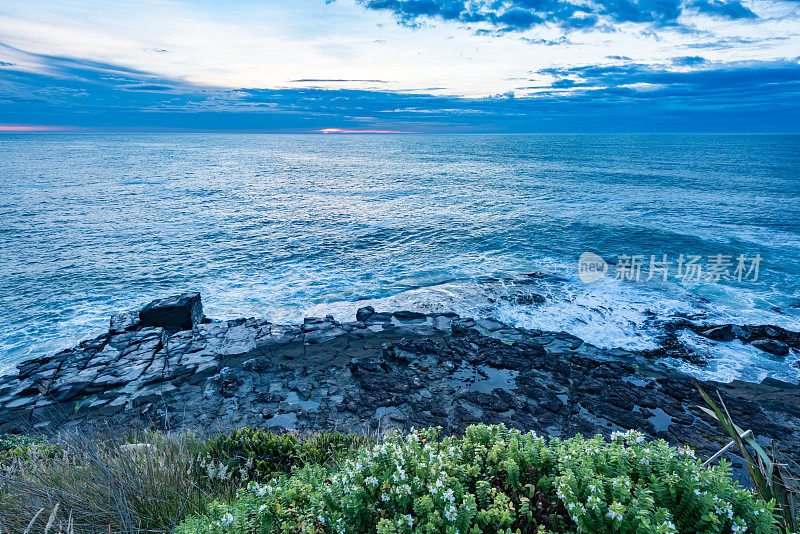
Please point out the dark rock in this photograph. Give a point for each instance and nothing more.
(257, 365)
(718, 333)
(228, 382)
(741, 332)
(377, 318)
(746, 333)
(178, 312)
(771, 346)
(408, 316)
(528, 300)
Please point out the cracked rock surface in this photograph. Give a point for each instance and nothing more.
(385, 370)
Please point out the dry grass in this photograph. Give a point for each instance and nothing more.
(139, 483)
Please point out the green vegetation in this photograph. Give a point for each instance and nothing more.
(767, 474)
(258, 455)
(143, 482)
(491, 480)
(496, 480)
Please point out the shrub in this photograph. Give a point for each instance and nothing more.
(495, 480)
(252, 454)
(14, 447)
(633, 486)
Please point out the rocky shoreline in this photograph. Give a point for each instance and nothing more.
(167, 366)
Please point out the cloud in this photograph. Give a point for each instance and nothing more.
(146, 87)
(328, 80)
(733, 42)
(688, 94)
(547, 42)
(732, 9)
(521, 15)
(688, 61)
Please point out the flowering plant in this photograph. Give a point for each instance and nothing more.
(497, 480)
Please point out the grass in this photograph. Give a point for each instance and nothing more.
(141, 482)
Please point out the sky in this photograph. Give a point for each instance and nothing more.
(427, 66)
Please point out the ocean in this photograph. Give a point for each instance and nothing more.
(288, 226)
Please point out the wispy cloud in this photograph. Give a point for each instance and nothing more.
(357, 131)
(33, 128)
(322, 80)
(687, 93)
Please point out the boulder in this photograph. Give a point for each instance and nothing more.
(771, 346)
(718, 333)
(175, 313)
(364, 313)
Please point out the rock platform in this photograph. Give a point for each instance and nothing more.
(382, 371)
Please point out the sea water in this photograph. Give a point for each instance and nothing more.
(288, 226)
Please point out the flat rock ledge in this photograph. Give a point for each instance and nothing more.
(380, 372)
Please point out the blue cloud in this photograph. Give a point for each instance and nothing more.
(147, 87)
(521, 15)
(688, 61)
(732, 9)
(620, 96)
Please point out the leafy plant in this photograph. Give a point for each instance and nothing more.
(14, 447)
(256, 454)
(496, 480)
(767, 475)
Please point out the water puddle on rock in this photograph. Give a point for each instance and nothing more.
(307, 405)
(385, 410)
(660, 420)
(285, 420)
(484, 378)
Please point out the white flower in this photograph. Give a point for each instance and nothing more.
(448, 496)
(262, 508)
(614, 515)
(450, 513)
(737, 528)
(226, 520)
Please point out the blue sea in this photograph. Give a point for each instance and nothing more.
(288, 226)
